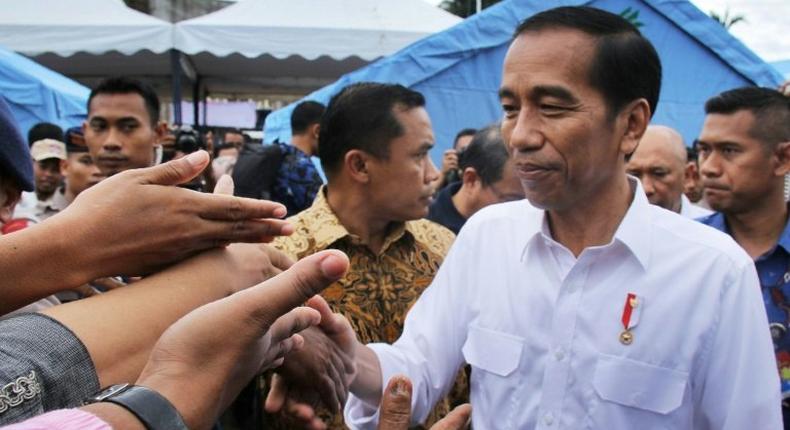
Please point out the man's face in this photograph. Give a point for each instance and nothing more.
(48, 176)
(228, 152)
(554, 122)
(119, 133)
(400, 186)
(235, 139)
(736, 168)
(660, 166)
(507, 189)
(81, 172)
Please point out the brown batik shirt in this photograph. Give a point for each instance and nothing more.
(378, 290)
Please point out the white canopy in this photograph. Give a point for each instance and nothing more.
(65, 27)
(339, 29)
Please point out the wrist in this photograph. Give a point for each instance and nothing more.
(116, 416)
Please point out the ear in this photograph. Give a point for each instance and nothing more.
(161, 131)
(636, 116)
(315, 129)
(357, 163)
(12, 196)
(470, 178)
(782, 156)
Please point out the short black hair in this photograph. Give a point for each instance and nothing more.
(462, 133)
(362, 116)
(125, 85)
(44, 130)
(306, 114)
(487, 154)
(625, 65)
(771, 110)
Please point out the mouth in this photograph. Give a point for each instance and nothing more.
(714, 187)
(111, 161)
(532, 171)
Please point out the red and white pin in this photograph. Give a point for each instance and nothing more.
(631, 312)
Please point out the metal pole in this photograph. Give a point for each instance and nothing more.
(175, 69)
(479, 5)
(196, 102)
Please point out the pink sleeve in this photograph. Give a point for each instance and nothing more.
(63, 419)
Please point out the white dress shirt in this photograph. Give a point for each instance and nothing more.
(690, 210)
(542, 329)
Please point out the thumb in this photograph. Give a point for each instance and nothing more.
(269, 300)
(176, 171)
(458, 419)
(395, 411)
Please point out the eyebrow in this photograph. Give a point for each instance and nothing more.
(557, 92)
(506, 93)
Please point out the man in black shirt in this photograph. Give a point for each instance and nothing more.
(488, 177)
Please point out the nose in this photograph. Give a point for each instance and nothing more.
(525, 134)
(112, 142)
(709, 165)
(431, 173)
(647, 185)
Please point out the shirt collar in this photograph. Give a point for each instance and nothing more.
(328, 229)
(719, 222)
(634, 230)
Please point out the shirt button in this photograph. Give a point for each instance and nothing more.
(548, 419)
(559, 354)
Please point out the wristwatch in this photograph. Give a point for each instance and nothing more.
(150, 407)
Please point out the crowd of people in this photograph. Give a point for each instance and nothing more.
(572, 266)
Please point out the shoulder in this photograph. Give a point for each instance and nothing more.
(697, 237)
(431, 235)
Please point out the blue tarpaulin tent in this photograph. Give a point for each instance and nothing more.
(459, 69)
(38, 94)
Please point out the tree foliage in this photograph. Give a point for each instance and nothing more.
(727, 20)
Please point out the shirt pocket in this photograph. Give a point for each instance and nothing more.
(629, 391)
(495, 357)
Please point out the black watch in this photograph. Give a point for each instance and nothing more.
(150, 407)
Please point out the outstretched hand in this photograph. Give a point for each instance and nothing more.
(202, 362)
(137, 222)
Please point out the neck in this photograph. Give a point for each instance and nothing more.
(462, 203)
(758, 230)
(594, 221)
(69, 194)
(303, 143)
(354, 212)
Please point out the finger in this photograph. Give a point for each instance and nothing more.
(300, 411)
(319, 304)
(216, 233)
(395, 410)
(265, 302)
(278, 258)
(339, 381)
(292, 323)
(325, 387)
(176, 171)
(281, 350)
(231, 208)
(278, 391)
(458, 418)
(224, 185)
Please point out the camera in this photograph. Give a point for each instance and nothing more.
(188, 140)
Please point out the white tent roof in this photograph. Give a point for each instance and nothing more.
(339, 29)
(65, 27)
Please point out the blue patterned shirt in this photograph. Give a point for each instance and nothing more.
(297, 181)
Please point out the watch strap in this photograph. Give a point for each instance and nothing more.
(150, 407)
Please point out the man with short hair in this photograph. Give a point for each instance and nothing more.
(374, 145)
(487, 177)
(660, 163)
(581, 309)
(449, 172)
(744, 154)
(298, 181)
(44, 130)
(234, 137)
(123, 130)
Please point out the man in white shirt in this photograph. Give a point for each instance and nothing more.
(581, 310)
(660, 163)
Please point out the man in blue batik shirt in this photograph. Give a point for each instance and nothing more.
(744, 155)
(298, 181)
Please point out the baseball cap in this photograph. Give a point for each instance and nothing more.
(14, 152)
(48, 148)
(74, 140)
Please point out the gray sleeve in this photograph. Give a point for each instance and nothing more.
(43, 366)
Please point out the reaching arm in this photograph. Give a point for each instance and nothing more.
(133, 223)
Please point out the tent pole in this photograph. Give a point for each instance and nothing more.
(196, 101)
(175, 68)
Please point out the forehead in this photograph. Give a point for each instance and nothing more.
(734, 127)
(416, 124)
(656, 148)
(558, 57)
(118, 105)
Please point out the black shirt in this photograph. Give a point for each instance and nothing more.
(443, 211)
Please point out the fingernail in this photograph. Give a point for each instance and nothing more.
(279, 212)
(401, 388)
(196, 158)
(329, 267)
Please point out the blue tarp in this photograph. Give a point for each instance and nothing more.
(38, 94)
(783, 67)
(459, 69)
